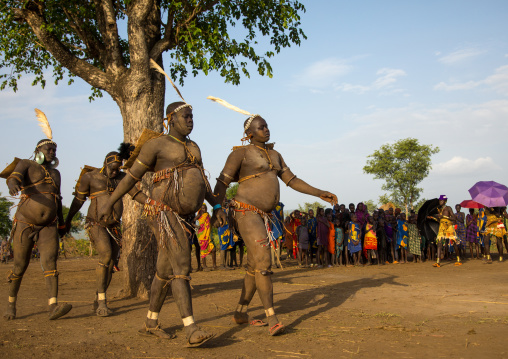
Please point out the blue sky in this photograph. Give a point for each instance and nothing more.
(370, 73)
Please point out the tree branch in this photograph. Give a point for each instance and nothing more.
(78, 67)
(171, 32)
(109, 31)
(137, 13)
(94, 47)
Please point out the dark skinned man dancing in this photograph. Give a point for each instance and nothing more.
(97, 184)
(180, 187)
(257, 167)
(35, 221)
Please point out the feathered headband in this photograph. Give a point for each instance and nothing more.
(236, 109)
(157, 68)
(46, 128)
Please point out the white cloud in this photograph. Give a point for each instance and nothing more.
(457, 86)
(458, 165)
(358, 89)
(386, 78)
(459, 55)
(323, 73)
(497, 82)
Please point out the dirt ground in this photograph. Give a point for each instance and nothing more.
(402, 310)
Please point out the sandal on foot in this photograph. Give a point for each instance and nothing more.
(277, 329)
(457, 264)
(156, 332)
(437, 265)
(258, 323)
(103, 312)
(60, 311)
(203, 341)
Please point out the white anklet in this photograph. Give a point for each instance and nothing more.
(188, 321)
(152, 315)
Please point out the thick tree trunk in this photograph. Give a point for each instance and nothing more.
(141, 108)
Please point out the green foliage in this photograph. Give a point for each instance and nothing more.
(371, 205)
(78, 247)
(200, 35)
(402, 166)
(314, 205)
(231, 191)
(78, 221)
(384, 199)
(5, 220)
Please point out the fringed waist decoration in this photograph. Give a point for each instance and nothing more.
(153, 207)
(157, 211)
(243, 207)
(170, 172)
(267, 219)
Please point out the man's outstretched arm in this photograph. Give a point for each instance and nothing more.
(290, 179)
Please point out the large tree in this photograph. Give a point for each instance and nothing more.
(402, 166)
(84, 38)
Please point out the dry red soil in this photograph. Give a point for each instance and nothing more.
(403, 310)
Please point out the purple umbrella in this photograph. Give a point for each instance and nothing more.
(489, 193)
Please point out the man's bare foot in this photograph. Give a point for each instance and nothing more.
(196, 337)
(240, 318)
(10, 313)
(58, 310)
(102, 309)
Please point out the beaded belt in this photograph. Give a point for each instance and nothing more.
(168, 173)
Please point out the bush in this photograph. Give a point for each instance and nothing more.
(78, 247)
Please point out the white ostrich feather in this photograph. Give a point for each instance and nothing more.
(157, 68)
(44, 123)
(228, 105)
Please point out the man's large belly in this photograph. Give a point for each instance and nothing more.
(39, 209)
(261, 192)
(184, 196)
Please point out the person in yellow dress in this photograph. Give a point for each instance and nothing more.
(446, 231)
